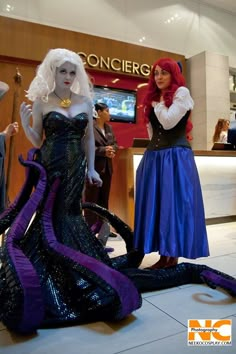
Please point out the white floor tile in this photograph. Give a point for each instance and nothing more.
(159, 326)
(197, 301)
(142, 327)
(178, 344)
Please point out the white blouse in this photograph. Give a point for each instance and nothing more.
(223, 137)
(170, 117)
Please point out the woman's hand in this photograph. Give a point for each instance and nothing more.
(94, 178)
(25, 114)
(11, 129)
(154, 103)
(109, 151)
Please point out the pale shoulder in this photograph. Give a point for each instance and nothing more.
(81, 98)
(3, 88)
(87, 100)
(87, 103)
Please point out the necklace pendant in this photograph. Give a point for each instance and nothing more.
(65, 103)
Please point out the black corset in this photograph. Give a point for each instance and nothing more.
(163, 138)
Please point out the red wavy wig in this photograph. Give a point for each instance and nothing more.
(154, 93)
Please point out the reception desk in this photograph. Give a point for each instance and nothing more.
(217, 172)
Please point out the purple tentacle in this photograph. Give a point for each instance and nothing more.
(9, 214)
(129, 297)
(25, 277)
(217, 278)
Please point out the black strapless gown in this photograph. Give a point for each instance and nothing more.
(54, 271)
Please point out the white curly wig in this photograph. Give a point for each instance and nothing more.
(44, 82)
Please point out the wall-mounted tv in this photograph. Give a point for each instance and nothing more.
(121, 103)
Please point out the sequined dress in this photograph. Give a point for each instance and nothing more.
(62, 284)
(53, 269)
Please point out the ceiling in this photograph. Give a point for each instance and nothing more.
(227, 5)
(187, 27)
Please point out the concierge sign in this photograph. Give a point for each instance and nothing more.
(115, 64)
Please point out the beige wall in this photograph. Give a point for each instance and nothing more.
(208, 81)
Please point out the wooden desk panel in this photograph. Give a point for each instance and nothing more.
(217, 172)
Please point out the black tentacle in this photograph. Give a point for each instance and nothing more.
(134, 257)
(120, 226)
(181, 274)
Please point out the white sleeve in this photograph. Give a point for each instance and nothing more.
(170, 117)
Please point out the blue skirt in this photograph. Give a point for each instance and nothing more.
(169, 211)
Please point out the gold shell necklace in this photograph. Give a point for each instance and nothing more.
(66, 102)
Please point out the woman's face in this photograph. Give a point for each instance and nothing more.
(65, 75)
(162, 78)
(226, 125)
(104, 114)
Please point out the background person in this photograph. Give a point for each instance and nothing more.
(221, 131)
(10, 130)
(105, 150)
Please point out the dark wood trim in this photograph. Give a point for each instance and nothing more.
(220, 153)
(18, 61)
(221, 220)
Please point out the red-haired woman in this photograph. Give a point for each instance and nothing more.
(169, 212)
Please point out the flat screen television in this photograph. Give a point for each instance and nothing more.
(121, 103)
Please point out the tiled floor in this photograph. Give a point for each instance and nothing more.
(160, 326)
